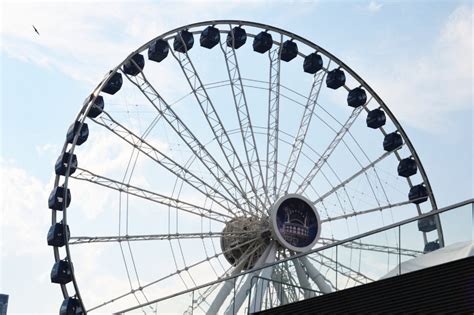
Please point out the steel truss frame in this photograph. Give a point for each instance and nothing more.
(234, 193)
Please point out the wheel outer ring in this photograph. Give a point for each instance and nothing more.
(81, 116)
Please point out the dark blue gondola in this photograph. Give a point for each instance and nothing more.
(134, 65)
(61, 272)
(376, 118)
(356, 97)
(97, 107)
(183, 41)
(56, 236)
(158, 50)
(114, 84)
(62, 164)
(56, 198)
(335, 79)
(74, 129)
(210, 37)
(392, 141)
(418, 194)
(236, 38)
(289, 50)
(427, 224)
(71, 306)
(312, 63)
(431, 246)
(262, 42)
(407, 167)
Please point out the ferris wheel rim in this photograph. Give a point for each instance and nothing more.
(82, 115)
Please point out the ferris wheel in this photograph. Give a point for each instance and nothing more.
(207, 161)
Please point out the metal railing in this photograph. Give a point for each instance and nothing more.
(382, 253)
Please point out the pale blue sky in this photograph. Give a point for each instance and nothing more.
(417, 55)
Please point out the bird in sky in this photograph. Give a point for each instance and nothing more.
(35, 29)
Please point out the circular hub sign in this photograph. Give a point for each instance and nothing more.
(295, 222)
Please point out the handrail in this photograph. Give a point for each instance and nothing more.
(433, 212)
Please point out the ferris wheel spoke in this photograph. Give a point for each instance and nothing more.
(175, 203)
(330, 148)
(74, 240)
(342, 184)
(273, 120)
(183, 131)
(302, 131)
(243, 114)
(154, 282)
(198, 303)
(393, 250)
(168, 163)
(374, 169)
(217, 127)
(369, 182)
(381, 208)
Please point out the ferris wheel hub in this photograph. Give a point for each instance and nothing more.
(244, 235)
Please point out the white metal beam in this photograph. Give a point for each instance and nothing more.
(245, 288)
(315, 275)
(303, 279)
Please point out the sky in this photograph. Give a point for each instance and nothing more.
(417, 55)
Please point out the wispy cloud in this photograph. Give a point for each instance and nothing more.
(22, 220)
(85, 39)
(435, 81)
(374, 6)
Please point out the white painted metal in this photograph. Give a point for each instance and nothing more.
(273, 121)
(352, 177)
(150, 195)
(245, 288)
(167, 162)
(289, 171)
(216, 125)
(225, 290)
(316, 276)
(243, 114)
(303, 279)
(324, 157)
(229, 193)
(188, 137)
(266, 273)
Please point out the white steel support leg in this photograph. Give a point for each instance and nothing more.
(256, 303)
(281, 294)
(230, 284)
(317, 277)
(245, 287)
(303, 279)
(224, 292)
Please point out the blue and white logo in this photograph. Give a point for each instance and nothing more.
(296, 223)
